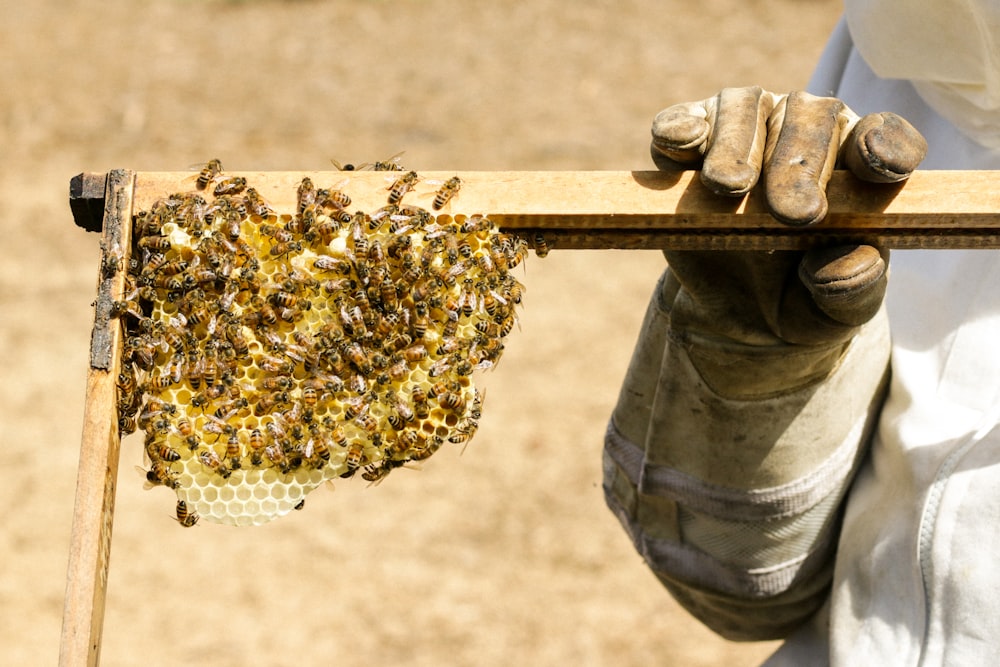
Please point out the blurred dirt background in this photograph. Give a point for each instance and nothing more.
(503, 555)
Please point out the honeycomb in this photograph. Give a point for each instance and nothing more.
(266, 352)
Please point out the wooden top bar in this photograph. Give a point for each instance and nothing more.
(650, 209)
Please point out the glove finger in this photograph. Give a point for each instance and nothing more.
(681, 132)
(847, 283)
(883, 148)
(736, 146)
(802, 144)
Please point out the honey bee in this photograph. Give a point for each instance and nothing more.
(336, 199)
(390, 164)
(277, 383)
(488, 329)
(420, 405)
(463, 432)
(357, 238)
(374, 473)
(402, 408)
(210, 367)
(111, 260)
(232, 225)
(155, 243)
(514, 292)
(540, 244)
(465, 248)
(401, 186)
(283, 299)
(127, 385)
(357, 356)
(446, 192)
(356, 406)
(475, 224)
(348, 166)
(233, 452)
(310, 396)
(161, 451)
(230, 204)
(281, 249)
(451, 400)
(153, 263)
(354, 458)
(234, 334)
(327, 230)
(268, 402)
(261, 311)
(276, 455)
(328, 263)
(398, 370)
(257, 205)
(338, 436)
(273, 364)
(279, 234)
(209, 172)
(367, 423)
(212, 461)
(230, 186)
(428, 449)
(158, 383)
(416, 352)
(320, 447)
(184, 428)
(491, 302)
(306, 194)
(159, 473)
(468, 302)
(406, 441)
(185, 516)
(440, 367)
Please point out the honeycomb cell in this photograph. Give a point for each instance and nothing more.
(274, 352)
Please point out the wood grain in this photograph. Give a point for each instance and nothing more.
(655, 210)
(93, 513)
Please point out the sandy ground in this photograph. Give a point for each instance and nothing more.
(504, 555)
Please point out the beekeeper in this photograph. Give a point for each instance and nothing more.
(805, 447)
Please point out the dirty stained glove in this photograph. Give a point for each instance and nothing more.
(756, 380)
(793, 142)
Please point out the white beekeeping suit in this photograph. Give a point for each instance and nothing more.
(913, 577)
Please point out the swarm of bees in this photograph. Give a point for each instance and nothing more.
(266, 352)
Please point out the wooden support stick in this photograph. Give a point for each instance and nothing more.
(648, 209)
(93, 514)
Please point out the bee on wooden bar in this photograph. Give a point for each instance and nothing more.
(230, 186)
(390, 164)
(256, 204)
(209, 172)
(446, 192)
(306, 194)
(401, 186)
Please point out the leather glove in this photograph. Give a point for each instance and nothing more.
(755, 383)
(816, 298)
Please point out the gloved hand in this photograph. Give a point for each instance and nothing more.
(757, 377)
(793, 142)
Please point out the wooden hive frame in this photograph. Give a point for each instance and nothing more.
(569, 210)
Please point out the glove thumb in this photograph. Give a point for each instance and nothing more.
(847, 283)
